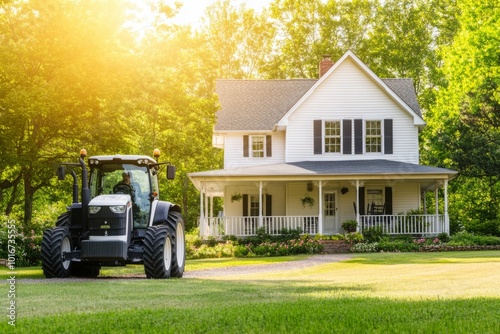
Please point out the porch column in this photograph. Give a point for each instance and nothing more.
(202, 216)
(424, 201)
(211, 208)
(260, 204)
(436, 200)
(320, 209)
(357, 204)
(446, 218)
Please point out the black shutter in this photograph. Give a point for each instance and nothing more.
(269, 146)
(245, 146)
(388, 200)
(318, 136)
(245, 205)
(388, 137)
(347, 136)
(361, 206)
(358, 136)
(269, 205)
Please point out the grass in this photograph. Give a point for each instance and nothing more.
(370, 293)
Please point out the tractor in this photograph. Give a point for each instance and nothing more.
(119, 220)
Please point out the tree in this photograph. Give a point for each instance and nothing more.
(463, 130)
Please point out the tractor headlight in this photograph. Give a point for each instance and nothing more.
(118, 208)
(94, 209)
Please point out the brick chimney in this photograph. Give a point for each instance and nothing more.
(325, 65)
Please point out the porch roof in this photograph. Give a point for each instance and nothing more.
(316, 170)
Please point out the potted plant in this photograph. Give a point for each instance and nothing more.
(350, 226)
(307, 201)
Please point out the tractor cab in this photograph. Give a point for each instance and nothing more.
(136, 176)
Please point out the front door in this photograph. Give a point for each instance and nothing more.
(330, 224)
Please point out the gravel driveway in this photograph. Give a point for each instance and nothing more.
(313, 260)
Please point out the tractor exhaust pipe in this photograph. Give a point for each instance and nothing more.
(85, 189)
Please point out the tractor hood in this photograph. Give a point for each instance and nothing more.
(111, 200)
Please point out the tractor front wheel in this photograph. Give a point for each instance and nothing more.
(176, 226)
(56, 241)
(158, 252)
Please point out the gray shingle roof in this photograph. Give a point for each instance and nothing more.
(405, 90)
(257, 104)
(260, 104)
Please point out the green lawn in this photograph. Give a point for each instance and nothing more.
(371, 293)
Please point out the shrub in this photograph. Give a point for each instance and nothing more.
(470, 239)
(397, 246)
(354, 237)
(373, 234)
(365, 247)
(443, 237)
(484, 227)
(350, 226)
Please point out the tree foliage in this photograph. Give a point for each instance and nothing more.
(104, 76)
(463, 131)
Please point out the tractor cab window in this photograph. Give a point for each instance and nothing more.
(124, 179)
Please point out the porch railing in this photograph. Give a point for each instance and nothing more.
(247, 226)
(390, 224)
(403, 224)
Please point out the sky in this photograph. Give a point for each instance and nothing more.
(192, 10)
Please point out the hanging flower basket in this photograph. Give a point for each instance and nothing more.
(236, 197)
(307, 201)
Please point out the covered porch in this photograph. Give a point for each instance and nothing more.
(318, 196)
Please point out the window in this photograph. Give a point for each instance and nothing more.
(254, 205)
(332, 137)
(373, 137)
(258, 146)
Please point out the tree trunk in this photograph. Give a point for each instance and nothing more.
(13, 194)
(29, 192)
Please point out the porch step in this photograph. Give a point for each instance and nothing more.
(335, 246)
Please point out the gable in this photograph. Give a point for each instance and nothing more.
(400, 91)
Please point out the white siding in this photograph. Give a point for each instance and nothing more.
(233, 150)
(349, 94)
(405, 196)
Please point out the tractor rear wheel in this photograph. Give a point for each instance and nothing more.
(158, 252)
(176, 226)
(55, 242)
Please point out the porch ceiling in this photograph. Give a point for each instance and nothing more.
(362, 170)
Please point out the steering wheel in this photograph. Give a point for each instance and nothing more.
(122, 188)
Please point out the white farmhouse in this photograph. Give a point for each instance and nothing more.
(311, 154)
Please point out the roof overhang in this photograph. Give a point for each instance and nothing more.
(363, 170)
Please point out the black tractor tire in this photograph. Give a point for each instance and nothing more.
(55, 242)
(82, 269)
(158, 252)
(176, 225)
(64, 219)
